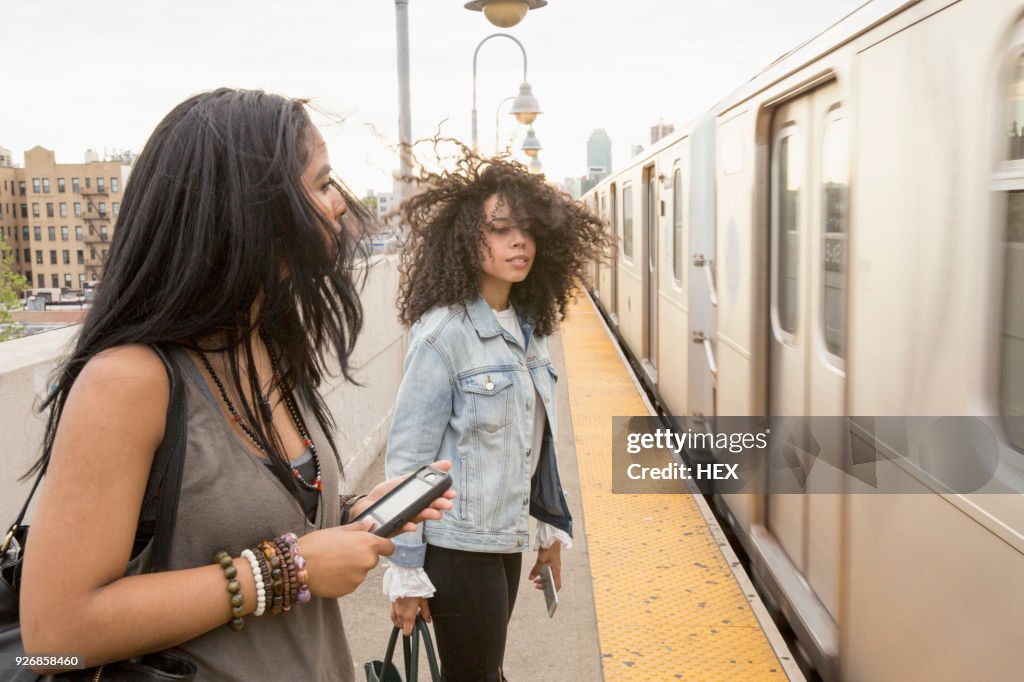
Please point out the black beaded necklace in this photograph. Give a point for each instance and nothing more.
(316, 484)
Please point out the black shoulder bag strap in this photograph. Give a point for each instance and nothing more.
(160, 504)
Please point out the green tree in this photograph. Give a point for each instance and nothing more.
(11, 286)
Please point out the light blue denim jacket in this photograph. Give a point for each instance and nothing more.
(467, 397)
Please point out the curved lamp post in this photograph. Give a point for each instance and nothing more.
(505, 13)
(525, 107)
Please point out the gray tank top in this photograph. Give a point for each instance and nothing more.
(231, 500)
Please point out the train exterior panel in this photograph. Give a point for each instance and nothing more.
(852, 243)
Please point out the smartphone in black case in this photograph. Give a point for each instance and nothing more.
(408, 499)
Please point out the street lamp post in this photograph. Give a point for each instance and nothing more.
(404, 98)
(525, 106)
(497, 117)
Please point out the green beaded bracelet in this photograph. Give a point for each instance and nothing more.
(224, 560)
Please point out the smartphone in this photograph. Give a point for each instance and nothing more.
(550, 594)
(406, 500)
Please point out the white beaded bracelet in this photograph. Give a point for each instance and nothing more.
(261, 591)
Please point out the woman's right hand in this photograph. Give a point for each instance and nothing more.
(338, 559)
(404, 610)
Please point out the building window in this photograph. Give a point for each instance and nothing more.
(103, 208)
(35, 210)
(74, 185)
(24, 210)
(38, 233)
(100, 185)
(88, 183)
(53, 256)
(24, 233)
(35, 185)
(39, 258)
(41, 281)
(80, 254)
(78, 232)
(66, 256)
(786, 192)
(103, 233)
(63, 209)
(21, 187)
(51, 232)
(46, 185)
(27, 255)
(64, 233)
(55, 281)
(81, 280)
(78, 209)
(67, 280)
(116, 207)
(60, 185)
(114, 185)
(627, 221)
(49, 209)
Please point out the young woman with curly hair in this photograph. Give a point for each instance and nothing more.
(493, 257)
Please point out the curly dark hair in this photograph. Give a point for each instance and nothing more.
(441, 264)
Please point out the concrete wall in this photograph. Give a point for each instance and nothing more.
(363, 414)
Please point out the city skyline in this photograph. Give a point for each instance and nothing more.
(106, 78)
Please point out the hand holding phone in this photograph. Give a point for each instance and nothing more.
(406, 500)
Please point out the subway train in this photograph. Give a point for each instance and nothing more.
(844, 235)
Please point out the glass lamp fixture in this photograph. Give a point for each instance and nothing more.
(531, 145)
(525, 106)
(505, 13)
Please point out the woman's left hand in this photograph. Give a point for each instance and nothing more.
(437, 506)
(552, 556)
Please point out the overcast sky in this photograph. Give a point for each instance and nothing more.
(100, 75)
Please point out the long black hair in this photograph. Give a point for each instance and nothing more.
(215, 217)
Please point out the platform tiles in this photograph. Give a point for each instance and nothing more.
(668, 606)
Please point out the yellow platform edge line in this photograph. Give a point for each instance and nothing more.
(668, 606)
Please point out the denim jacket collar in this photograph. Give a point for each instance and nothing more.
(487, 325)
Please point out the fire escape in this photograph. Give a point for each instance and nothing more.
(97, 232)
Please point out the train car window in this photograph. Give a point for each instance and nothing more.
(627, 221)
(677, 227)
(1011, 374)
(835, 163)
(786, 252)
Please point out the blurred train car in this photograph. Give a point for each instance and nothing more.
(844, 235)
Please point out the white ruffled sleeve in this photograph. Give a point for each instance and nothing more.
(400, 581)
(547, 534)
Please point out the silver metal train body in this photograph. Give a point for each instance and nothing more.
(844, 235)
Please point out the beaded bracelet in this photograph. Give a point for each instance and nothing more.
(261, 594)
(276, 583)
(234, 589)
(286, 571)
(303, 595)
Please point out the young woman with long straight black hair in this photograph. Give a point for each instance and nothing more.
(229, 252)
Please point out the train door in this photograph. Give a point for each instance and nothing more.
(807, 311)
(702, 299)
(651, 273)
(614, 260)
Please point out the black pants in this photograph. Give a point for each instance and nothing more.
(476, 592)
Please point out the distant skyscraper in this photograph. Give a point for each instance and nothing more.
(661, 130)
(599, 151)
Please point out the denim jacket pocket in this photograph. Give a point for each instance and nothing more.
(489, 395)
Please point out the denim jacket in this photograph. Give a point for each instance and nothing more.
(467, 397)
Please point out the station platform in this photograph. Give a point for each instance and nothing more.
(651, 590)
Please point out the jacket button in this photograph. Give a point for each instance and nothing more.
(529, 404)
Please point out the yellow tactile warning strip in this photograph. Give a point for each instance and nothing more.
(668, 606)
